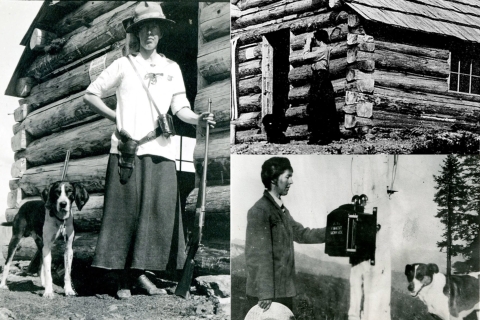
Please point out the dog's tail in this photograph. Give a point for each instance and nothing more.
(6, 224)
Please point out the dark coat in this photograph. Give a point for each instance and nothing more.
(269, 251)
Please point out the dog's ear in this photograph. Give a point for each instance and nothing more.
(81, 195)
(46, 197)
(433, 268)
(408, 268)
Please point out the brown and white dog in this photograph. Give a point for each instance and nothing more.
(45, 221)
(447, 300)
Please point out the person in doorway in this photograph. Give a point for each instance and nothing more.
(323, 121)
(271, 231)
(142, 225)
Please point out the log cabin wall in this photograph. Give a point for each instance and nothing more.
(253, 22)
(52, 118)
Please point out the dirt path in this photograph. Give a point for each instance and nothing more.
(25, 301)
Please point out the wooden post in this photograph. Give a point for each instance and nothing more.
(370, 176)
(267, 78)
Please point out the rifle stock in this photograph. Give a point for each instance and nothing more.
(194, 243)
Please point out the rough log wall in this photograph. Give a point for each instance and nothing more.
(52, 118)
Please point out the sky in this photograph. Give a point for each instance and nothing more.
(321, 183)
(16, 18)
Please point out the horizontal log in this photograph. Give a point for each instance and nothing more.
(87, 220)
(302, 75)
(250, 85)
(250, 103)
(214, 20)
(20, 140)
(390, 120)
(399, 61)
(299, 95)
(283, 9)
(13, 184)
(105, 31)
(296, 26)
(209, 260)
(335, 4)
(248, 121)
(249, 52)
(407, 81)
(439, 54)
(62, 115)
(83, 248)
(357, 39)
(297, 58)
(364, 109)
(18, 168)
(354, 20)
(235, 12)
(217, 201)
(40, 38)
(219, 146)
(298, 114)
(246, 4)
(219, 92)
(86, 140)
(83, 17)
(298, 132)
(250, 68)
(90, 171)
(14, 198)
(252, 135)
(418, 103)
(355, 74)
(24, 86)
(336, 34)
(214, 59)
(66, 84)
(362, 85)
(21, 112)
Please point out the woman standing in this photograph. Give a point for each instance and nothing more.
(271, 231)
(322, 121)
(142, 226)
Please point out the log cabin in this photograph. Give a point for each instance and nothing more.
(67, 45)
(396, 65)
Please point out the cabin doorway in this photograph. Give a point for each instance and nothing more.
(275, 68)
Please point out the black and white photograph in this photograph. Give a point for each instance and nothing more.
(355, 77)
(110, 109)
(355, 237)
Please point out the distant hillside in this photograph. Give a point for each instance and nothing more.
(323, 290)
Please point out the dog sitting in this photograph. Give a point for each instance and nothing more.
(447, 300)
(45, 221)
(275, 126)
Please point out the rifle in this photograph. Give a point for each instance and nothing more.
(194, 243)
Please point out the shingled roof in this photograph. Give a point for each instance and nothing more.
(457, 18)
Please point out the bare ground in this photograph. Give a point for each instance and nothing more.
(401, 142)
(24, 300)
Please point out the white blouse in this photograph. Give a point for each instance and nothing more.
(135, 113)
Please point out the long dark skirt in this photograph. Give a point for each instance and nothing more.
(322, 112)
(142, 224)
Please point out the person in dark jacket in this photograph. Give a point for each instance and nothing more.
(271, 231)
(323, 121)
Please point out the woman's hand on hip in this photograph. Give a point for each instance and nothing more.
(265, 304)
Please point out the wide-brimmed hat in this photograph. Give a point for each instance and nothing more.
(148, 11)
(277, 311)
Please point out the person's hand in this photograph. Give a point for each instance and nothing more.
(205, 118)
(265, 304)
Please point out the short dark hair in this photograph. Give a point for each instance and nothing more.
(322, 35)
(273, 168)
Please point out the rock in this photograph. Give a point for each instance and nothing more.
(218, 286)
(6, 314)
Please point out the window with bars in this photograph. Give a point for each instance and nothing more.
(464, 73)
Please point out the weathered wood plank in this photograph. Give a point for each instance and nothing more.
(24, 86)
(214, 59)
(248, 121)
(249, 103)
(214, 21)
(250, 85)
(21, 112)
(86, 140)
(250, 68)
(413, 50)
(89, 171)
(105, 30)
(84, 16)
(40, 38)
(252, 135)
(408, 81)
(62, 115)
